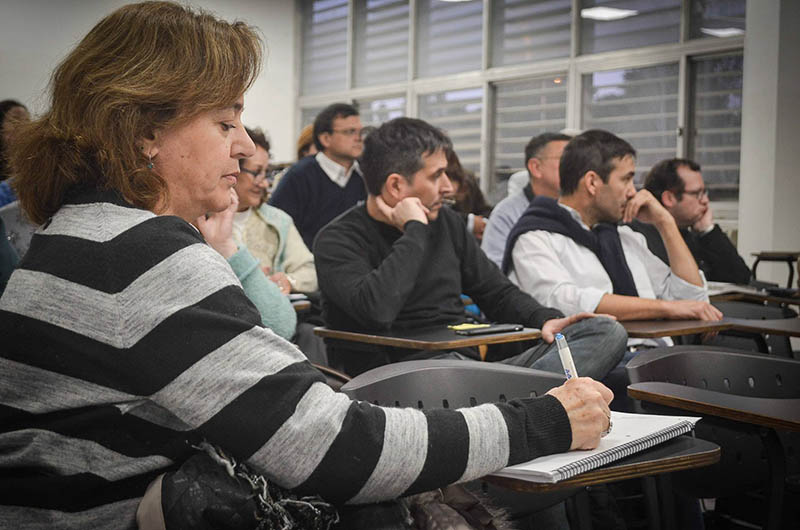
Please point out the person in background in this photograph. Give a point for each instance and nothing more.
(571, 253)
(8, 257)
(118, 362)
(469, 199)
(305, 147)
(678, 185)
(12, 115)
(274, 307)
(267, 232)
(305, 142)
(542, 154)
(401, 261)
(318, 188)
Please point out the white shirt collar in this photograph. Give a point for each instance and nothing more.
(575, 215)
(336, 172)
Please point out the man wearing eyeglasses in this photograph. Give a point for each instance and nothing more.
(320, 187)
(678, 184)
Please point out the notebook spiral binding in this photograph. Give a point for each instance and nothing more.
(621, 451)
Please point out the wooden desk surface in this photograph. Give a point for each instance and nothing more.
(776, 255)
(653, 329)
(754, 297)
(781, 414)
(438, 338)
(775, 326)
(301, 305)
(683, 452)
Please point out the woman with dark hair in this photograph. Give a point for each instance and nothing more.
(468, 197)
(128, 341)
(12, 113)
(268, 232)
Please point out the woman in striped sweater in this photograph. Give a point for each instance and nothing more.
(127, 339)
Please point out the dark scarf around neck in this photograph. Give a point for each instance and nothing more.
(544, 213)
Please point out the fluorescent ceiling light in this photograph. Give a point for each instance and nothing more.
(722, 32)
(607, 13)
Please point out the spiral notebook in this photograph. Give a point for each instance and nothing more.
(631, 433)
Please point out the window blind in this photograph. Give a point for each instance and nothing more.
(639, 105)
(523, 109)
(380, 45)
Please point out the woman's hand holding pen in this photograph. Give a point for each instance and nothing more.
(586, 402)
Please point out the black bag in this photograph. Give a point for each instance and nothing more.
(212, 491)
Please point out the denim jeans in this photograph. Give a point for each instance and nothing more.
(597, 346)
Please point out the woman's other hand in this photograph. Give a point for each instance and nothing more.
(217, 228)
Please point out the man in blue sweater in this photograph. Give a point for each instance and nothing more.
(320, 187)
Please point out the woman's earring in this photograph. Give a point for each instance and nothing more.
(149, 162)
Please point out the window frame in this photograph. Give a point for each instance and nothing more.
(575, 66)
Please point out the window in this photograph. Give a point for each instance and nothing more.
(378, 110)
(715, 122)
(524, 31)
(608, 25)
(324, 46)
(523, 109)
(381, 41)
(458, 113)
(717, 18)
(639, 105)
(449, 38)
(663, 74)
(309, 114)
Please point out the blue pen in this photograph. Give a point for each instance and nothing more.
(566, 357)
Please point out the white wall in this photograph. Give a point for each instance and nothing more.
(36, 34)
(769, 196)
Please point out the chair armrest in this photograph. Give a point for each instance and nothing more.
(783, 414)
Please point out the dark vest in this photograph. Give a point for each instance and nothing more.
(544, 213)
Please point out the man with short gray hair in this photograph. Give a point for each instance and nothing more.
(542, 155)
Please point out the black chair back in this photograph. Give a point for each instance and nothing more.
(743, 462)
(454, 384)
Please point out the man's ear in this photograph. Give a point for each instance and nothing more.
(396, 186)
(534, 167)
(325, 140)
(591, 181)
(668, 199)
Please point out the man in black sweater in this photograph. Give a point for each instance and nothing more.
(318, 188)
(401, 261)
(678, 184)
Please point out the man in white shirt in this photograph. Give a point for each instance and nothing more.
(570, 254)
(320, 187)
(541, 159)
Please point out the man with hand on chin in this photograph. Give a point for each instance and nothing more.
(678, 184)
(570, 253)
(401, 261)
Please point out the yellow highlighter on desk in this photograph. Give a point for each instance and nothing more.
(466, 326)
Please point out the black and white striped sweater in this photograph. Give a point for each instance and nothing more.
(126, 339)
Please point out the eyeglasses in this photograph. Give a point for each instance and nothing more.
(697, 194)
(348, 132)
(258, 176)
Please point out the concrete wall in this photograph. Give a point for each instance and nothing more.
(769, 196)
(36, 34)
